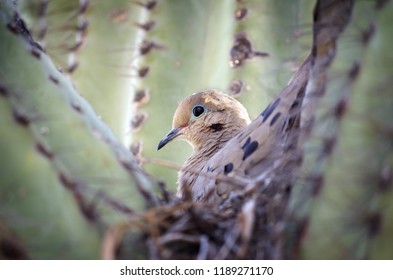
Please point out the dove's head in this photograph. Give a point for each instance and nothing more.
(206, 118)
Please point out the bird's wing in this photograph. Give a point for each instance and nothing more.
(247, 153)
(268, 147)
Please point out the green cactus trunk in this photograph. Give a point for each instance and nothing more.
(349, 156)
(69, 185)
(194, 41)
(58, 154)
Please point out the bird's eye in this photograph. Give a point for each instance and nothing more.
(198, 111)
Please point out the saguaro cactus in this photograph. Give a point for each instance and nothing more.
(67, 176)
(349, 170)
(44, 114)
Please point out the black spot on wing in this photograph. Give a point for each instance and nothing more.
(269, 110)
(228, 168)
(210, 169)
(249, 148)
(275, 118)
(247, 142)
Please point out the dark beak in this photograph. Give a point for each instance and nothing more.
(169, 137)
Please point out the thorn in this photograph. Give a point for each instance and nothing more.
(3, 90)
(83, 28)
(43, 8)
(119, 15)
(142, 72)
(44, 150)
(147, 26)
(236, 88)
(76, 107)
(328, 146)
(341, 108)
(53, 79)
(380, 4)
(136, 149)
(386, 178)
(84, 6)
(354, 71)
(42, 32)
(368, 33)
(67, 182)
(147, 46)
(317, 182)
(142, 97)
(70, 69)
(242, 50)
(149, 5)
(21, 118)
(241, 13)
(76, 46)
(137, 121)
(374, 222)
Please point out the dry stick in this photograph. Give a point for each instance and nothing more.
(177, 237)
(114, 235)
(230, 242)
(203, 247)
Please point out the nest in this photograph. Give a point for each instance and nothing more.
(249, 225)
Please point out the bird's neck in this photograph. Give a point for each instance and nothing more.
(203, 152)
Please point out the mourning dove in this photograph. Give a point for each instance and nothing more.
(227, 146)
(207, 120)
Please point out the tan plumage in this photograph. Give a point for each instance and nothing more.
(222, 118)
(241, 154)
